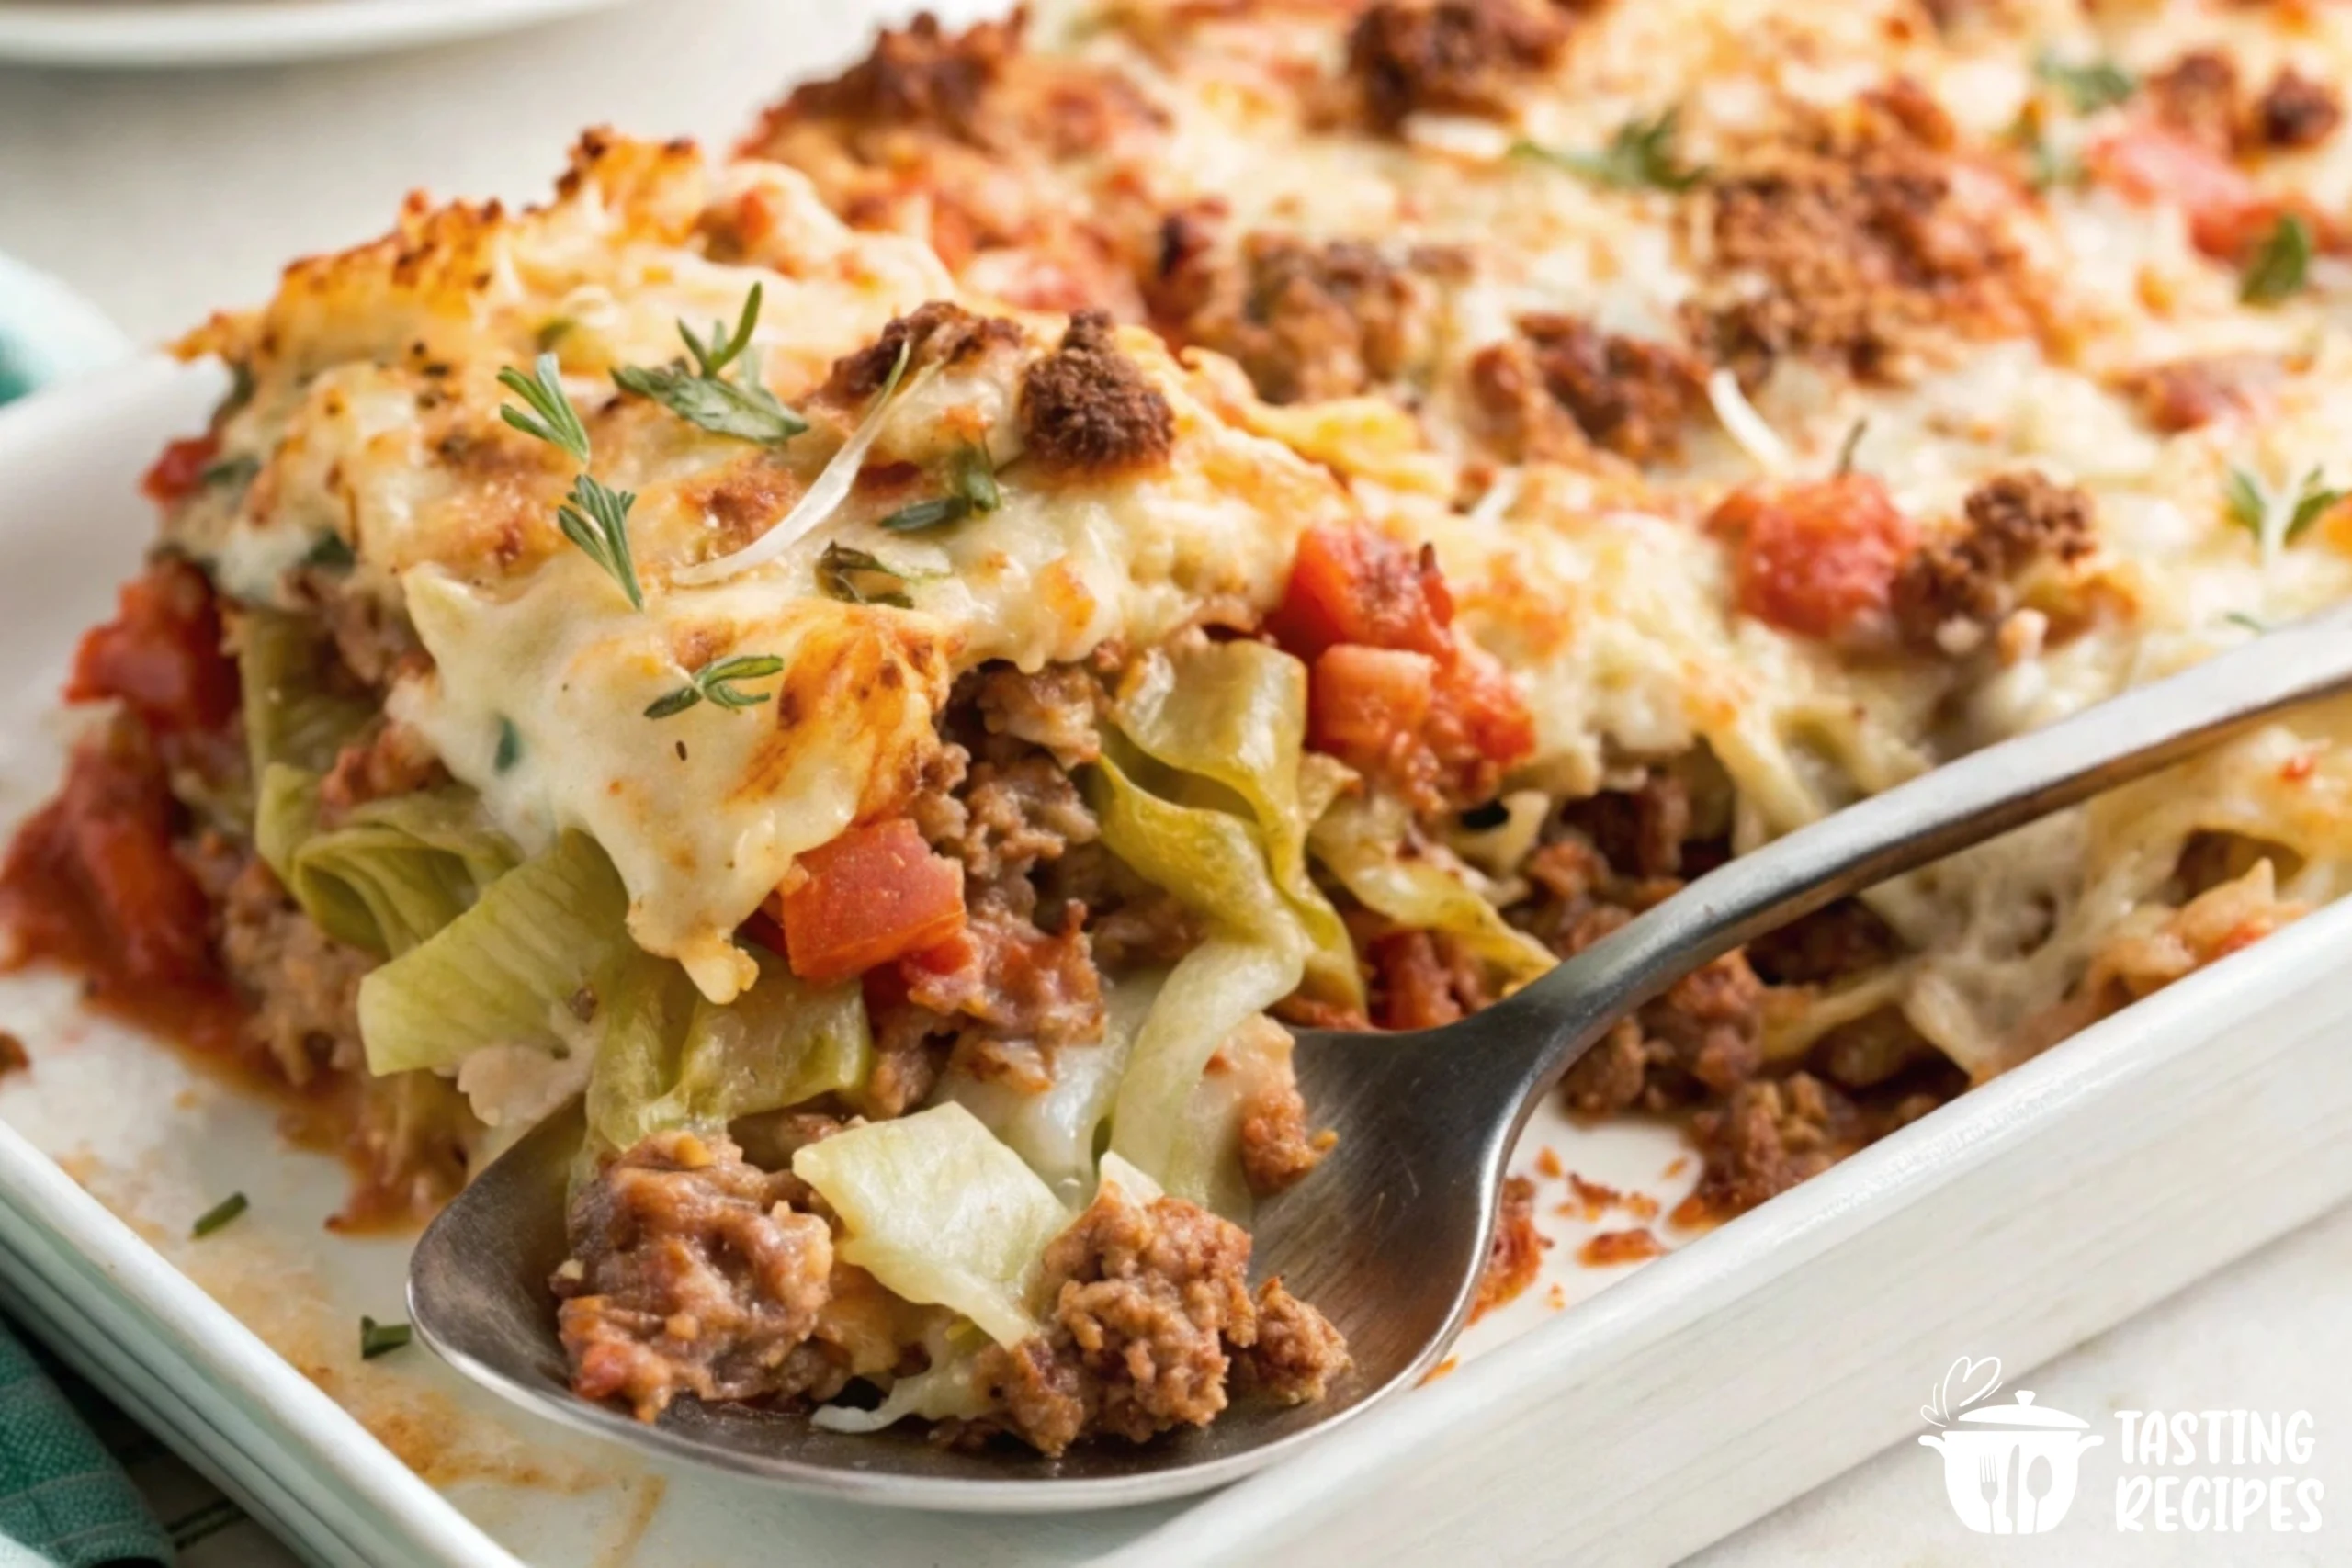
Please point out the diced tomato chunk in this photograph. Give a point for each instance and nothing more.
(1353, 585)
(1817, 559)
(1362, 701)
(874, 894)
(160, 655)
(1476, 695)
(179, 473)
(1393, 689)
(2227, 212)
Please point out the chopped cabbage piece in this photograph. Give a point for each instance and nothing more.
(940, 1211)
(290, 716)
(393, 873)
(496, 974)
(1216, 987)
(1233, 715)
(1362, 839)
(1057, 1129)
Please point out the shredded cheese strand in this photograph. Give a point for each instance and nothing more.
(1745, 425)
(824, 497)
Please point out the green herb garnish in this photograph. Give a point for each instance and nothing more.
(971, 489)
(592, 516)
(2249, 506)
(380, 1338)
(2278, 269)
(860, 578)
(703, 396)
(1640, 155)
(2087, 88)
(716, 682)
(596, 519)
(333, 552)
(934, 513)
(218, 1215)
(510, 747)
(2254, 624)
(549, 414)
(1847, 447)
(234, 472)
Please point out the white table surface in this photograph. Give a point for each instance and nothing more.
(162, 196)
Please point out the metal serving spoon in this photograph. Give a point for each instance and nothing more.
(1390, 1236)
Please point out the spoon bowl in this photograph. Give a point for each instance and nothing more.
(1390, 1234)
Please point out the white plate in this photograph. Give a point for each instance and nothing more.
(1694, 1395)
(126, 33)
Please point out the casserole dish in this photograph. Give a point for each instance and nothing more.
(2156, 1146)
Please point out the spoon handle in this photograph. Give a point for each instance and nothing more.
(1950, 808)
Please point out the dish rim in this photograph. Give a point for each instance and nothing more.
(150, 37)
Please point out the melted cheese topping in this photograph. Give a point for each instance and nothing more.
(1590, 576)
(374, 408)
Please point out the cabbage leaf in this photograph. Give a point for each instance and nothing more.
(290, 716)
(667, 1057)
(497, 973)
(950, 1386)
(393, 872)
(1361, 838)
(939, 1212)
(1232, 716)
(1059, 1129)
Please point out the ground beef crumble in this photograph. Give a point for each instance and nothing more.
(1966, 578)
(1306, 322)
(1151, 1321)
(1516, 1256)
(940, 333)
(2201, 97)
(1868, 238)
(1407, 57)
(693, 1272)
(303, 985)
(1087, 407)
(1564, 383)
(1697, 1048)
(921, 75)
(1021, 981)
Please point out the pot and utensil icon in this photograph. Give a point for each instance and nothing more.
(2014, 1469)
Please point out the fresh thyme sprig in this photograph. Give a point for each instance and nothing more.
(548, 413)
(703, 396)
(859, 577)
(595, 518)
(2249, 506)
(716, 682)
(1641, 154)
(971, 489)
(2088, 87)
(2278, 269)
(592, 516)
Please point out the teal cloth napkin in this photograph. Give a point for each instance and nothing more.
(63, 1501)
(48, 331)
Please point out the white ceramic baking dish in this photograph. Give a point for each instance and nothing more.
(1632, 1425)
